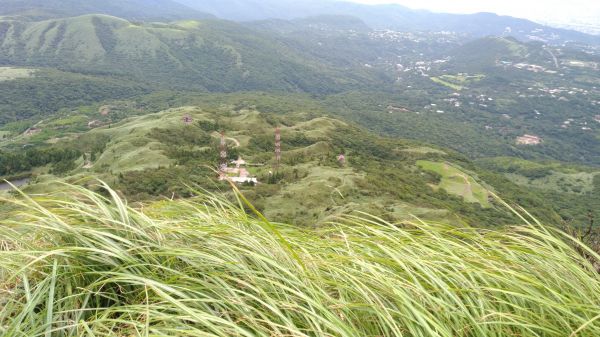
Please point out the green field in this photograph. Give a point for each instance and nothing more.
(457, 82)
(457, 182)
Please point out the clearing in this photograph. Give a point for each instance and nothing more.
(10, 73)
(457, 82)
(457, 182)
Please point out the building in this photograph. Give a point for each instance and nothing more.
(238, 174)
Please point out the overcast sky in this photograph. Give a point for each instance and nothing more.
(539, 10)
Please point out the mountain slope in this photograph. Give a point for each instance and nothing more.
(199, 55)
(129, 9)
(391, 17)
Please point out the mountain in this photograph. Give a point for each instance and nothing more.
(196, 55)
(394, 17)
(129, 9)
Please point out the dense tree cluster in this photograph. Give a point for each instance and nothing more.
(16, 162)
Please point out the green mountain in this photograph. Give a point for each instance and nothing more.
(196, 55)
(129, 9)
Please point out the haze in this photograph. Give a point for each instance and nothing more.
(554, 11)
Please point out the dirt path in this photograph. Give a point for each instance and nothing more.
(235, 141)
(468, 188)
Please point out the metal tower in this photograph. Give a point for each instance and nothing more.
(223, 153)
(277, 148)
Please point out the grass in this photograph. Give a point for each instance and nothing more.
(424, 150)
(10, 73)
(457, 82)
(457, 182)
(445, 83)
(579, 183)
(78, 263)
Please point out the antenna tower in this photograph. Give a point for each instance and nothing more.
(277, 148)
(223, 153)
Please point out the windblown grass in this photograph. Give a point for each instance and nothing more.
(81, 264)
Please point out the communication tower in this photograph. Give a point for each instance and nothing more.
(277, 148)
(223, 153)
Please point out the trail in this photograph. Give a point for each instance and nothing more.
(553, 57)
(468, 188)
(235, 141)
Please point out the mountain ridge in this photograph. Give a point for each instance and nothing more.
(391, 16)
(146, 10)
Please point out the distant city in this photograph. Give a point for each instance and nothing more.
(590, 25)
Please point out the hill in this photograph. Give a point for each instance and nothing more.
(130, 9)
(158, 155)
(193, 55)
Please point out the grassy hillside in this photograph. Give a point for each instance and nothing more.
(78, 263)
(158, 156)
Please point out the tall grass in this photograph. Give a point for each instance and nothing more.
(82, 264)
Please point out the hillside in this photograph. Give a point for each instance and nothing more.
(129, 9)
(159, 156)
(218, 55)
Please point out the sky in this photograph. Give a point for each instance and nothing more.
(560, 11)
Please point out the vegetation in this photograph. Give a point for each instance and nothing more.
(91, 265)
(16, 163)
(49, 91)
(133, 9)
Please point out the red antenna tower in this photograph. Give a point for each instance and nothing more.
(277, 147)
(223, 153)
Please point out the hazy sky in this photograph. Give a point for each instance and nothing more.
(540, 10)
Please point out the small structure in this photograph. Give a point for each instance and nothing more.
(242, 180)
(239, 162)
(597, 118)
(187, 119)
(94, 124)
(238, 174)
(529, 140)
(341, 160)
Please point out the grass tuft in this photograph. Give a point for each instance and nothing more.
(78, 263)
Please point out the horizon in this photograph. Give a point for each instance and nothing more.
(576, 12)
